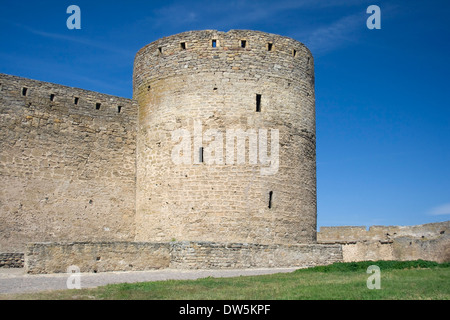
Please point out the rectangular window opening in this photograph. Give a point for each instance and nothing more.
(52, 97)
(24, 91)
(243, 43)
(75, 100)
(183, 45)
(270, 199)
(119, 109)
(200, 155)
(214, 43)
(294, 53)
(269, 46)
(97, 106)
(258, 103)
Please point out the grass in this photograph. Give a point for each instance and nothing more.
(400, 280)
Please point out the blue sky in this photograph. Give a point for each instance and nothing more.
(382, 106)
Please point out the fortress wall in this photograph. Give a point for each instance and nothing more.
(67, 169)
(382, 233)
(93, 257)
(183, 78)
(204, 255)
(427, 242)
(41, 258)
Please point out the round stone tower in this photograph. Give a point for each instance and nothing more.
(226, 139)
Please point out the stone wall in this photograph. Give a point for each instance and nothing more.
(67, 164)
(204, 255)
(382, 233)
(131, 256)
(184, 80)
(11, 260)
(96, 256)
(427, 242)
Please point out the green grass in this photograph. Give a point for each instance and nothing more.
(400, 280)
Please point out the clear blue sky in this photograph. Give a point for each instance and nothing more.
(382, 96)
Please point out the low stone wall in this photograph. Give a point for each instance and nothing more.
(367, 251)
(412, 249)
(426, 242)
(128, 256)
(96, 256)
(209, 255)
(11, 260)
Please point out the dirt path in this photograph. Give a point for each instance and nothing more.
(16, 281)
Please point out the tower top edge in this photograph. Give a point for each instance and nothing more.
(209, 34)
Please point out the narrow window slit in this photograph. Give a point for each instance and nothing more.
(97, 106)
(183, 45)
(214, 43)
(75, 100)
(269, 46)
(270, 199)
(24, 91)
(119, 109)
(52, 97)
(258, 103)
(160, 50)
(200, 155)
(294, 53)
(243, 43)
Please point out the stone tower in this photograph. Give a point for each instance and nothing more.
(225, 139)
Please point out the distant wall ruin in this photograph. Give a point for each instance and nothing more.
(427, 242)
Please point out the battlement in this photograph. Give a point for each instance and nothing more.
(54, 98)
(213, 40)
(382, 233)
(239, 55)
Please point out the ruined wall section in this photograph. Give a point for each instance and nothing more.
(427, 242)
(67, 164)
(216, 78)
(382, 233)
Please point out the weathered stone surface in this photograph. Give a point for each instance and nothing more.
(65, 174)
(209, 255)
(11, 260)
(218, 87)
(427, 242)
(96, 256)
(132, 256)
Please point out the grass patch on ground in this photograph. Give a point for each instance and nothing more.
(400, 280)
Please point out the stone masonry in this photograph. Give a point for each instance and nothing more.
(212, 164)
(427, 242)
(67, 164)
(218, 79)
